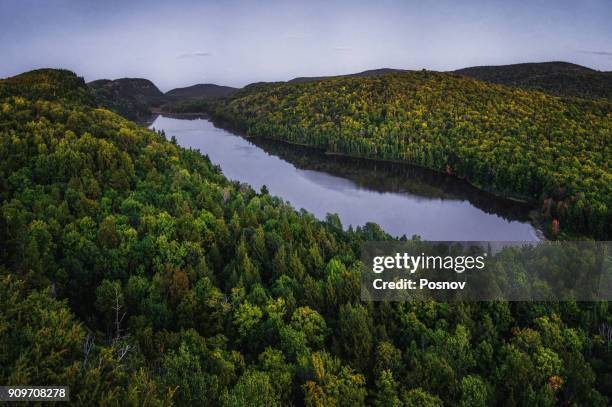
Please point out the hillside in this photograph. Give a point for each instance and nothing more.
(134, 272)
(48, 84)
(557, 78)
(528, 145)
(200, 91)
(131, 97)
(364, 74)
(98, 212)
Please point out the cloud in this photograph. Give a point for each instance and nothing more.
(342, 49)
(296, 37)
(601, 53)
(195, 54)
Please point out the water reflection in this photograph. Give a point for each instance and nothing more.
(401, 199)
(393, 177)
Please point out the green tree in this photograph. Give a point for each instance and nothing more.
(312, 324)
(386, 391)
(252, 390)
(420, 398)
(355, 334)
(474, 391)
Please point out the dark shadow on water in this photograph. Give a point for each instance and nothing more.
(382, 177)
(394, 177)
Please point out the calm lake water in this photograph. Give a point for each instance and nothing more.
(400, 198)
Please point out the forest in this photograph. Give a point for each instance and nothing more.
(134, 272)
(133, 98)
(550, 151)
(138, 98)
(557, 78)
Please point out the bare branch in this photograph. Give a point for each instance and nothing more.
(87, 347)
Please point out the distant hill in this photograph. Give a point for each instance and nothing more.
(200, 91)
(130, 97)
(368, 73)
(48, 84)
(557, 78)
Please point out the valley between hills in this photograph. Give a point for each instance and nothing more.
(538, 133)
(135, 272)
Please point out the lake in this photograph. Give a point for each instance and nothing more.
(402, 199)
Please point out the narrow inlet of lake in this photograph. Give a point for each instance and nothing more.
(403, 200)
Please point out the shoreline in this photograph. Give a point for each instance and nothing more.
(533, 217)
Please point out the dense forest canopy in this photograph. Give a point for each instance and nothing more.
(370, 72)
(130, 97)
(134, 272)
(199, 91)
(551, 151)
(557, 78)
(48, 84)
(137, 98)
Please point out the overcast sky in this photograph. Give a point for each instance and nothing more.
(179, 43)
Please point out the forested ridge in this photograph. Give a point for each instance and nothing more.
(557, 78)
(137, 98)
(551, 151)
(134, 272)
(133, 98)
(199, 91)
